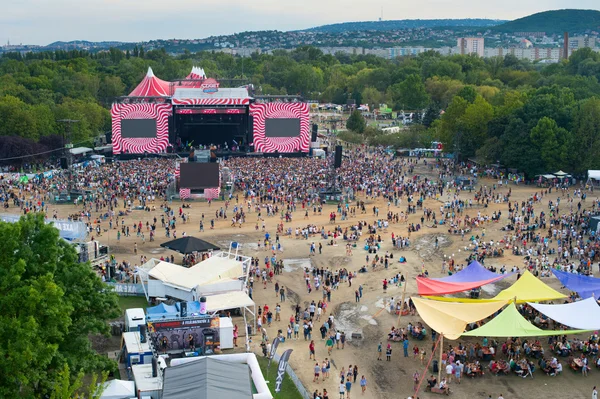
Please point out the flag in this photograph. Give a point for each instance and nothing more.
(283, 362)
(273, 350)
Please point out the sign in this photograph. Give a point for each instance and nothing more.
(210, 86)
(283, 362)
(67, 230)
(194, 111)
(203, 322)
(273, 350)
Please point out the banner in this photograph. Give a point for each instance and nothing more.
(283, 362)
(273, 350)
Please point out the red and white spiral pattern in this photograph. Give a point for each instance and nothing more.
(262, 112)
(211, 101)
(158, 112)
(184, 193)
(178, 167)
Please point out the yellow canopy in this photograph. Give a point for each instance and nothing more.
(527, 288)
(451, 318)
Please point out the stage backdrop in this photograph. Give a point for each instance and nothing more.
(276, 127)
(136, 141)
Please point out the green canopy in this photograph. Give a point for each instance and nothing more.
(510, 323)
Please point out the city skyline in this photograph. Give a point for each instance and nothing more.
(39, 22)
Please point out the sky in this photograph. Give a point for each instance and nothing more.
(45, 21)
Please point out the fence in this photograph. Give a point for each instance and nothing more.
(124, 289)
(294, 378)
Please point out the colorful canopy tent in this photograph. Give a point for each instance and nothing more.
(528, 288)
(510, 323)
(472, 276)
(585, 286)
(582, 314)
(151, 86)
(451, 318)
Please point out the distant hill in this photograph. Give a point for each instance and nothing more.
(83, 43)
(554, 22)
(403, 24)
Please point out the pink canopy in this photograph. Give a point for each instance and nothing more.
(151, 86)
(472, 276)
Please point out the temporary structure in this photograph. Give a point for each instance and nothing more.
(585, 286)
(510, 323)
(188, 245)
(151, 86)
(472, 276)
(207, 378)
(528, 288)
(451, 318)
(118, 389)
(582, 314)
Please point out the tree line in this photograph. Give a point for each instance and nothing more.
(535, 117)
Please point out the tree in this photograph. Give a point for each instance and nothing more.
(468, 93)
(585, 143)
(551, 142)
(410, 94)
(475, 122)
(50, 304)
(356, 122)
(432, 113)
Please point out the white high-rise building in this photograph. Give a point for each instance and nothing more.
(471, 45)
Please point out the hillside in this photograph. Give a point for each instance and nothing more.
(556, 21)
(403, 24)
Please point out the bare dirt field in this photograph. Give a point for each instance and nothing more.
(371, 316)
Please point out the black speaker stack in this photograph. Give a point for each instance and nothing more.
(315, 130)
(338, 156)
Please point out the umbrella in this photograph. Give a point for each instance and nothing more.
(188, 244)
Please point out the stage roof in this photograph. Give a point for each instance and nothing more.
(224, 96)
(151, 86)
(451, 318)
(585, 286)
(472, 276)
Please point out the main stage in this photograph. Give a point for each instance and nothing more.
(196, 112)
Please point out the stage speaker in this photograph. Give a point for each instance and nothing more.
(64, 163)
(169, 149)
(142, 328)
(154, 366)
(315, 130)
(338, 156)
(183, 309)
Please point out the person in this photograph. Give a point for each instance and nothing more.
(388, 353)
(449, 370)
(192, 343)
(329, 345)
(311, 349)
(342, 390)
(405, 346)
(164, 343)
(416, 378)
(500, 397)
(444, 386)
(348, 388)
(235, 335)
(594, 393)
(317, 371)
(363, 384)
(379, 350)
(457, 371)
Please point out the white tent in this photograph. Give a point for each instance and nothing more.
(118, 389)
(80, 150)
(584, 315)
(229, 300)
(594, 174)
(209, 271)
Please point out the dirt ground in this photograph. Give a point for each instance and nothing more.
(371, 316)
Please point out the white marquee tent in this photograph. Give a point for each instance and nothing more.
(584, 315)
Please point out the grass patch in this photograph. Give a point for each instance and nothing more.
(288, 389)
(128, 302)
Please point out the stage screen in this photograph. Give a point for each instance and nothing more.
(194, 175)
(282, 127)
(138, 128)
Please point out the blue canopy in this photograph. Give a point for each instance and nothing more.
(162, 311)
(192, 307)
(585, 286)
